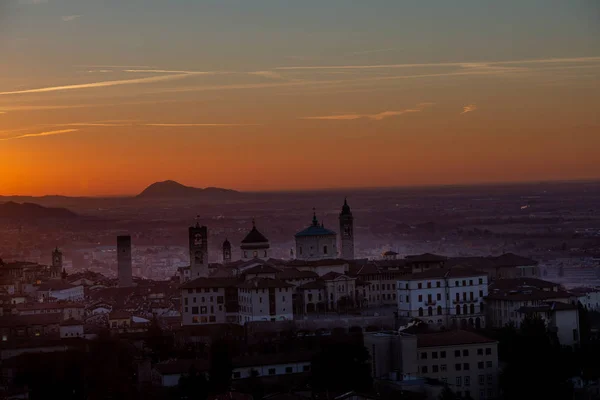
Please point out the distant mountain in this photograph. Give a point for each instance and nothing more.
(31, 211)
(172, 189)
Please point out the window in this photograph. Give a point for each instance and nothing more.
(479, 352)
(481, 281)
(465, 353)
(467, 381)
(407, 299)
(457, 309)
(430, 311)
(435, 368)
(194, 299)
(394, 296)
(420, 285)
(438, 284)
(442, 354)
(424, 356)
(439, 296)
(185, 301)
(429, 285)
(481, 293)
(236, 375)
(458, 381)
(490, 393)
(220, 300)
(306, 368)
(470, 282)
(195, 320)
(488, 364)
(466, 367)
(185, 310)
(456, 283)
(393, 286)
(488, 351)
(490, 379)
(212, 318)
(288, 370)
(480, 365)
(443, 367)
(420, 311)
(439, 310)
(300, 250)
(202, 300)
(575, 335)
(203, 310)
(246, 253)
(456, 353)
(458, 367)
(271, 371)
(424, 369)
(445, 380)
(420, 298)
(434, 354)
(195, 310)
(464, 282)
(481, 379)
(324, 249)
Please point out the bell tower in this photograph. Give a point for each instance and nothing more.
(198, 237)
(57, 264)
(226, 251)
(347, 232)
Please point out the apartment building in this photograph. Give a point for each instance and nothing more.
(444, 296)
(265, 299)
(465, 361)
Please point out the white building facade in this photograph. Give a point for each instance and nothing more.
(445, 296)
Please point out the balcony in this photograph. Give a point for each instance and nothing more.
(430, 302)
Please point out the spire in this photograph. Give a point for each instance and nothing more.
(253, 223)
(197, 221)
(315, 221)
(346, 207)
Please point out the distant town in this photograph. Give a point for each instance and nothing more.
(258, 325)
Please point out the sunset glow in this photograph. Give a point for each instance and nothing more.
(255, 95)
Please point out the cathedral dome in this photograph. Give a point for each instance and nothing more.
(255, 240)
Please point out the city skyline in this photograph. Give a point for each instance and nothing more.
(99, 100)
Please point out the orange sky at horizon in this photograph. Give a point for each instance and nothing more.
(266, 106)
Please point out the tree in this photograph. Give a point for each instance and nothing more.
(193, 385)
(159, 344)
(221, 366)
(447, 394)
(536, 366)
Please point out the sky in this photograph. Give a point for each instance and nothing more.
(107, 97)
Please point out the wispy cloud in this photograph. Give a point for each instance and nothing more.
(102, 84)
(32, 2)
(184, 125)
(267, 74)
(358, 53)
(69, 18)
(376, 117)
(469, 108)
(446, 64)
(40, 134)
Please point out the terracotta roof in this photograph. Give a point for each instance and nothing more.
(53, 286)
(513, 260)
(316, 263)
(47, 306)
(28, 320)
(264, 283)
(211, 283)
(527, 294)
(515, 283)
(424, 258)
(367, 269)
(262, 269)
(293, 273)
(450, 338)
(390, 253)
(71, 322)
(549, 306)
(119, 314)
(318, 284)
(331, 275)
(441, 273)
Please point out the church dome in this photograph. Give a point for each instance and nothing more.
(315, 229)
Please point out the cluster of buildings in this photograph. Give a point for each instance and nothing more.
(451, 297)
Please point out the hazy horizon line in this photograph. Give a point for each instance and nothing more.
(340, 189)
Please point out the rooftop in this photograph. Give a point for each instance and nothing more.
(264, 283)
(451, 338)
(293, 273)
(549, 306)
(254, 236)
(445, 273)
(210, 283)
(262, 269)
(426, 258)
(315, 229)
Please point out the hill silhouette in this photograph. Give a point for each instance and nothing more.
(172, 189)
(12, 210)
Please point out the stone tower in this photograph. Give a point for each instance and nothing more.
(198, 236)
(226, 251)
(57, 264)
(124, 270)
(347, 232)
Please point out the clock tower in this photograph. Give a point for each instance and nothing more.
(57, 264)
(198, 236)
(347, 232)
(226, 251)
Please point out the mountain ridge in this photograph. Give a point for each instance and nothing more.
(14, 210)
(173, 189)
